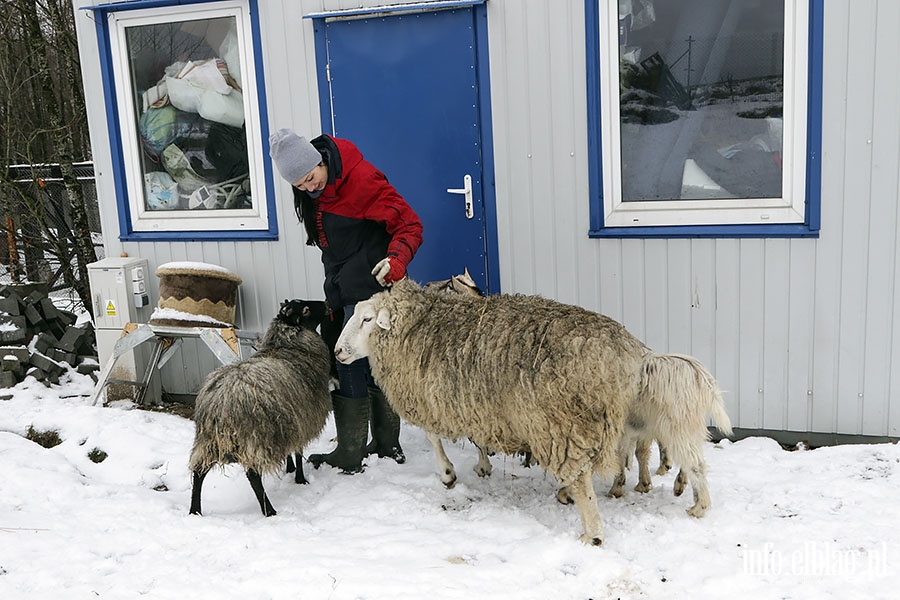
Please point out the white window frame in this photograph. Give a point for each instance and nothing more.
(789, 209)
(202, 221)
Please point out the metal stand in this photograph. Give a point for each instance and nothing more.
(225, 344)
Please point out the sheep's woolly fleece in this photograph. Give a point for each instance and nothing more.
(258, 411)
(510, 372)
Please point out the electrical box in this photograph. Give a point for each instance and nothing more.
(119, 292)
(120, 295)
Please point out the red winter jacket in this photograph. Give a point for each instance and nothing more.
(359, 219)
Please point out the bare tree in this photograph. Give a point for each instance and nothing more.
(44, 122)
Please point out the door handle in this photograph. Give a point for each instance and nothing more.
(466, 190)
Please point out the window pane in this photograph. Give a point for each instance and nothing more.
(701, 99)
(187, 98)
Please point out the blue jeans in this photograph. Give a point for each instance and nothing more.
(356, 378)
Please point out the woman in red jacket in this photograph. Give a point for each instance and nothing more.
(368, 234)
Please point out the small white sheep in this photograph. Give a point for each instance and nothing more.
(676, 395)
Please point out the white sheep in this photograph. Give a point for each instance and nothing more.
(464, 285)
(676, 395)
(509, 372)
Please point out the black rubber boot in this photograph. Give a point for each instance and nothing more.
(351, 419)
(385, 428)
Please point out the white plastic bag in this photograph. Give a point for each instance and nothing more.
(161, 191)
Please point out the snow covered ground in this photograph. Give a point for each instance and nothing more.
(805, 524)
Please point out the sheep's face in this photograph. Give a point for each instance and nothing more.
(458, 284)
(353, 342)
(302, 313)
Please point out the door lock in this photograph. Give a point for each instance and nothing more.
(466, 190)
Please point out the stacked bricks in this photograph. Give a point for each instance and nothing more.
(38, 339)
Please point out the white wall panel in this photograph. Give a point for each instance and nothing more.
(751, 327)
(727, 332)
(856, 214)
(775, 326)
(702, 302)
(800, 351)
(881, 244)
(678, 296)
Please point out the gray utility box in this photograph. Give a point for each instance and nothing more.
(120, 295)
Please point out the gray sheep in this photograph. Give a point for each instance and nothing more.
(268, 406)
(510, 372)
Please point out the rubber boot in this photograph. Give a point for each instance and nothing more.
(385, 428)
(351, 419)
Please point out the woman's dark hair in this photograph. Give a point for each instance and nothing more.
(304, 206)
(306, 212)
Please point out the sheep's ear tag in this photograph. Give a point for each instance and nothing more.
(383, 319)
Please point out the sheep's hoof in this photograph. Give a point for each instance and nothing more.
(697, 511)
(196, 512)
(615, 492)
(483, 472)
(563, 496)
(663, 469)
(592, 540)
(450, 480)
(643, 487)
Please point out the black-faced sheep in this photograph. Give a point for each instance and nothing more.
(508, 372)
(268, 406)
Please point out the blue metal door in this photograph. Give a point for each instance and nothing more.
(405, 89)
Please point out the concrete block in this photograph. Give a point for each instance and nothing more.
(10, 305)
(44, 341)
(86, 368)
(61, 356)
(46, 364)
(7, 379)
(15, 335)
(32, 314)
(36, 295)
(48, 309)
(72, 340)
(20, 352)
(67, 318)
(35, 372)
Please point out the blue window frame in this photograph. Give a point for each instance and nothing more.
(185, 105)
(704, 117)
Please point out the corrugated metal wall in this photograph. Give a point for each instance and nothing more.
(801, 333)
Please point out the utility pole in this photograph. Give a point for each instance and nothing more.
(690, 42)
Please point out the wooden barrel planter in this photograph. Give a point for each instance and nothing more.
(195, 294)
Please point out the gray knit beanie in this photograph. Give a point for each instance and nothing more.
(292, 154)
